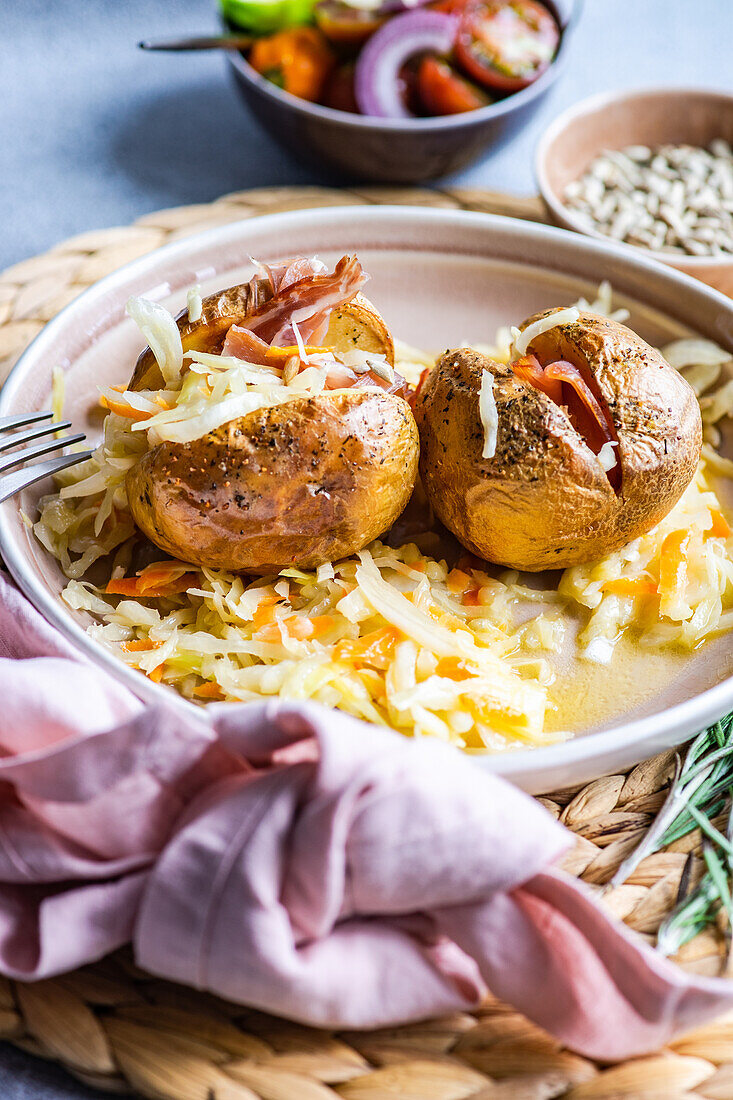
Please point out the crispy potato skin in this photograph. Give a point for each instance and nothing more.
(305, 482)
(358, 325)
(301, 483)
(544, 501)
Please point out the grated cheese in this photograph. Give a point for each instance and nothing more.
(488, 413)
(544, 324)
(195, 304)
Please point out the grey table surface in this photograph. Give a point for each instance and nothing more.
(94, 133)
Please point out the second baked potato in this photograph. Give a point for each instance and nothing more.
(545, 498)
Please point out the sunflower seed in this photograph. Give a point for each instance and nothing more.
(674, 198)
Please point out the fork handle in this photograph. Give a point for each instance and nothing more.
(200, 42)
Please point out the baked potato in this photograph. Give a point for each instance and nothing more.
(548, 497)
(303, 482)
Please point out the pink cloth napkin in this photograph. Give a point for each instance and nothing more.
(297, 860)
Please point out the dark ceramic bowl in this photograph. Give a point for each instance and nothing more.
(394, 150)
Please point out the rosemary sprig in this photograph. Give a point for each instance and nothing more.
(701, 790)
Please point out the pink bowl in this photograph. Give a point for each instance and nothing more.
(614, 121)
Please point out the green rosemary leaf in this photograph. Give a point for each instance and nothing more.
(702, 789)
(693, 915)
(710, 831)
(718, 875)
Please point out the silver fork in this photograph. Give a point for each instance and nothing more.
(11, 483)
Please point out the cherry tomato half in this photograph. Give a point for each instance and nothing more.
(443, 92)
(506, 44)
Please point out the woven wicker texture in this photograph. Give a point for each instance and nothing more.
(115, 1028)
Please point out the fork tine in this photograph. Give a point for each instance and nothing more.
(21, 479)
(32, 433)
(17, 457)
(7, 422)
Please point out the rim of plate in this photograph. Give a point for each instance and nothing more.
(667, 727)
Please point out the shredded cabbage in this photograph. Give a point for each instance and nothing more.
(161, 332)
(560, 317)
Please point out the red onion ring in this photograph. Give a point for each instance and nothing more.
(376, 78)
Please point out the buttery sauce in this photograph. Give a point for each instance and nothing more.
(639, 680)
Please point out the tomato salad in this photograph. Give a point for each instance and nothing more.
(398, 58)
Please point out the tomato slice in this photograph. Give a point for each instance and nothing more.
(506, 44)
(443, 92)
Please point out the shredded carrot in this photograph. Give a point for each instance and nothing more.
(209, 690)
(375, 649)
(265, 612)
(121, 408)
(123, 586)
(628, 586)
(453, 668)
(296, 626)
(139, 645)
(720, 528)
(673, 564)
(160, 573)
(157, 674)
(130, 586)
(412, 398)
(300, 627)
(458, 581)
(293, 349)
(163, 404)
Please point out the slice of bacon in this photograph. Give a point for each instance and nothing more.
(300, 295)
(565, 385)
(243, 344)
(587, 414)
(307, 301)
(301, 268)
(528, 368)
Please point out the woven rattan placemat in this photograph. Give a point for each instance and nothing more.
(116, 1028)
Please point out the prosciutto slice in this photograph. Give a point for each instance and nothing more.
(243, 344)
(305, 296)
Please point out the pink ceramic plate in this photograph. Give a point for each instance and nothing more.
(439, 277)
